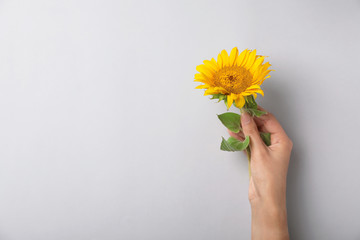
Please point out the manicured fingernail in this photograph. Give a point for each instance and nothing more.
(245, 118)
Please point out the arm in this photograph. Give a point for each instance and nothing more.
(267, 187)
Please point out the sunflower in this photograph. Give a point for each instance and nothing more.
(233, 78)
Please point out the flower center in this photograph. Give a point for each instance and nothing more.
(235, 79)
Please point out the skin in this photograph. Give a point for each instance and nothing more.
(269, 166)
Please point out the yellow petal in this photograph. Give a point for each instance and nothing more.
(240, 59)
(215, 90)
(240, 101)
(199, 77)
(256, 76)
(256, 64)
(211, 65)
(246, 57)
(265, 66)
(251, 59)
(225, 58)
(205, 70)
(233, 55)
(254, 87)
(214, 61)
(210, 91)
(219, 61)
(252, 91)
(203, 86)
(221, 90)
(264, 79)
(230, 100)
(260, 92)
(262, 76)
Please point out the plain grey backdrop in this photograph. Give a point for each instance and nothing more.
(103, 136)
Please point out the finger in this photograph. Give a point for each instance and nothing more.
(239, 136)
(268, 123)
(250, 129)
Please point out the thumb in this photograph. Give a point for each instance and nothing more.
(250, 129)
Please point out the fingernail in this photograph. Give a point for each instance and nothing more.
(245, 118)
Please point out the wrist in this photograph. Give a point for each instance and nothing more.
(269, 221)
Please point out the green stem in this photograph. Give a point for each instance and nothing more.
(248, 153)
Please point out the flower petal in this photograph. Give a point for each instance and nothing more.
(264, 79)
(240, 101)
(242, 57)
(256, 64)
(215, 90)
(225, 58)
(210, 91)
(251, 91)
(211, 65)
(265, 66)
(205, 70)
(230, 100)
(233, 55)
(253, 87)
(262, 76)
(199, 77)
(250, 60)
(203, 86)
(219, 61)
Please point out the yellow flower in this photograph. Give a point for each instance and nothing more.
(234, 77)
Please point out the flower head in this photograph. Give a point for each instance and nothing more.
(232, 78)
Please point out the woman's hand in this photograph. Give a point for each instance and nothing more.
(269, 166)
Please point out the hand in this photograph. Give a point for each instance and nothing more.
(269, 165)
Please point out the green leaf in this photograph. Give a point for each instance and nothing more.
(222, 97)
(233, 145)
(250, 102)
(266, 137)
(251, 107)
(258, 113)
(225, 101)
(231, 121)
(218, 96)
(255, 112)
(215, 96)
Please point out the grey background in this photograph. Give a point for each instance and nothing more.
(103, 136)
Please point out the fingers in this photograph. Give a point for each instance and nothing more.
(265, 123)
(239, 136)
(250, 129)
(268, 123)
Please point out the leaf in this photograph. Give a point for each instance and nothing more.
(250, 102)
(215, 96)
(222, 97)
(255, 112)
(233, 145)
(218, 96)
(251, 107)
(266, 137)
(231, 121)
